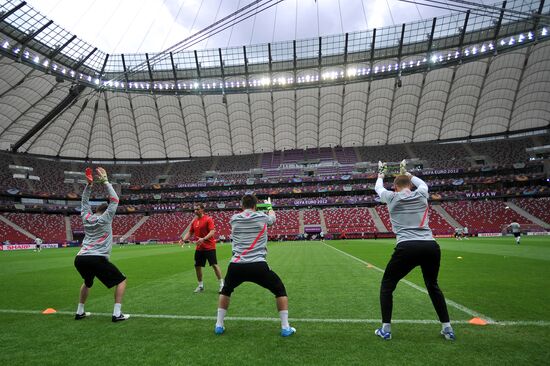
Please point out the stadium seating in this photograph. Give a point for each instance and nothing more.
(234, 177)
(538, 207)
(287, 223)
(348, 220)
(76, 223)
(238, 163)
(312, 217)
(271, 160)
(189, 172)
(50, 228)
(8, 234)
(442, 156)
(504, 152)
(144, 174)
(382, 211)
(388, 153)
(438, 224)
(483, 216)
(123, 223)
(221, 220)
(163, 226)
(345, 155)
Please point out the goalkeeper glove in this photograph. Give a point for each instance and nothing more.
(403, 167)
(382, 168)
(89, 176)
(102, 175)
(266, 206)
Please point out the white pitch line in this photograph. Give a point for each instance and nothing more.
(449, 302)
(540, 323)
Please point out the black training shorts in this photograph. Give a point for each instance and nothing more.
(517, 234)
(201, 256)
(257, 272)
(91, 266)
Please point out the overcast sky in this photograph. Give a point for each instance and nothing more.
(129, 26)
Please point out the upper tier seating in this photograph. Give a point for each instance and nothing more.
(238, 163)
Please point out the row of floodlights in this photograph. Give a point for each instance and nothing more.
(350, 73)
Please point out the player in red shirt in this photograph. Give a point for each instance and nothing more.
(204, 230)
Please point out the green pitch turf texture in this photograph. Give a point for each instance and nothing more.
(334, 305)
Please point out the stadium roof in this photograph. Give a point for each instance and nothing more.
(463, 75)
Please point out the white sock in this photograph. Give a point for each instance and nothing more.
(116, 310)
(445, 325)
(386, 327)
(221, 282)
(80, 309)
(221, 316)
(201, 284)
(284, 318)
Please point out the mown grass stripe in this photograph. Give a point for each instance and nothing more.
(449, 302)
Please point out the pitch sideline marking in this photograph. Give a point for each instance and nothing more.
(449, 302)
(540, 323)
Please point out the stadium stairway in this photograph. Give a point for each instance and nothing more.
(410, 152)
(527, 215)
(441, 211)
(214, 163)
(469, 149)
(134, 228)
(358, 154)
(16, 227)
(186, 229)
(323, 222)
(380, 227)
(68, 230)
(301, 220)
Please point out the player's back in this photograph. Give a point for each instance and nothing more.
(409, 215)
(98, 230)
(249, 236)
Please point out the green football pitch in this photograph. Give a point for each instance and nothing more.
(334, 304)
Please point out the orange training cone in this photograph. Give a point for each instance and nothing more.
(49, 311)
(477, 321)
